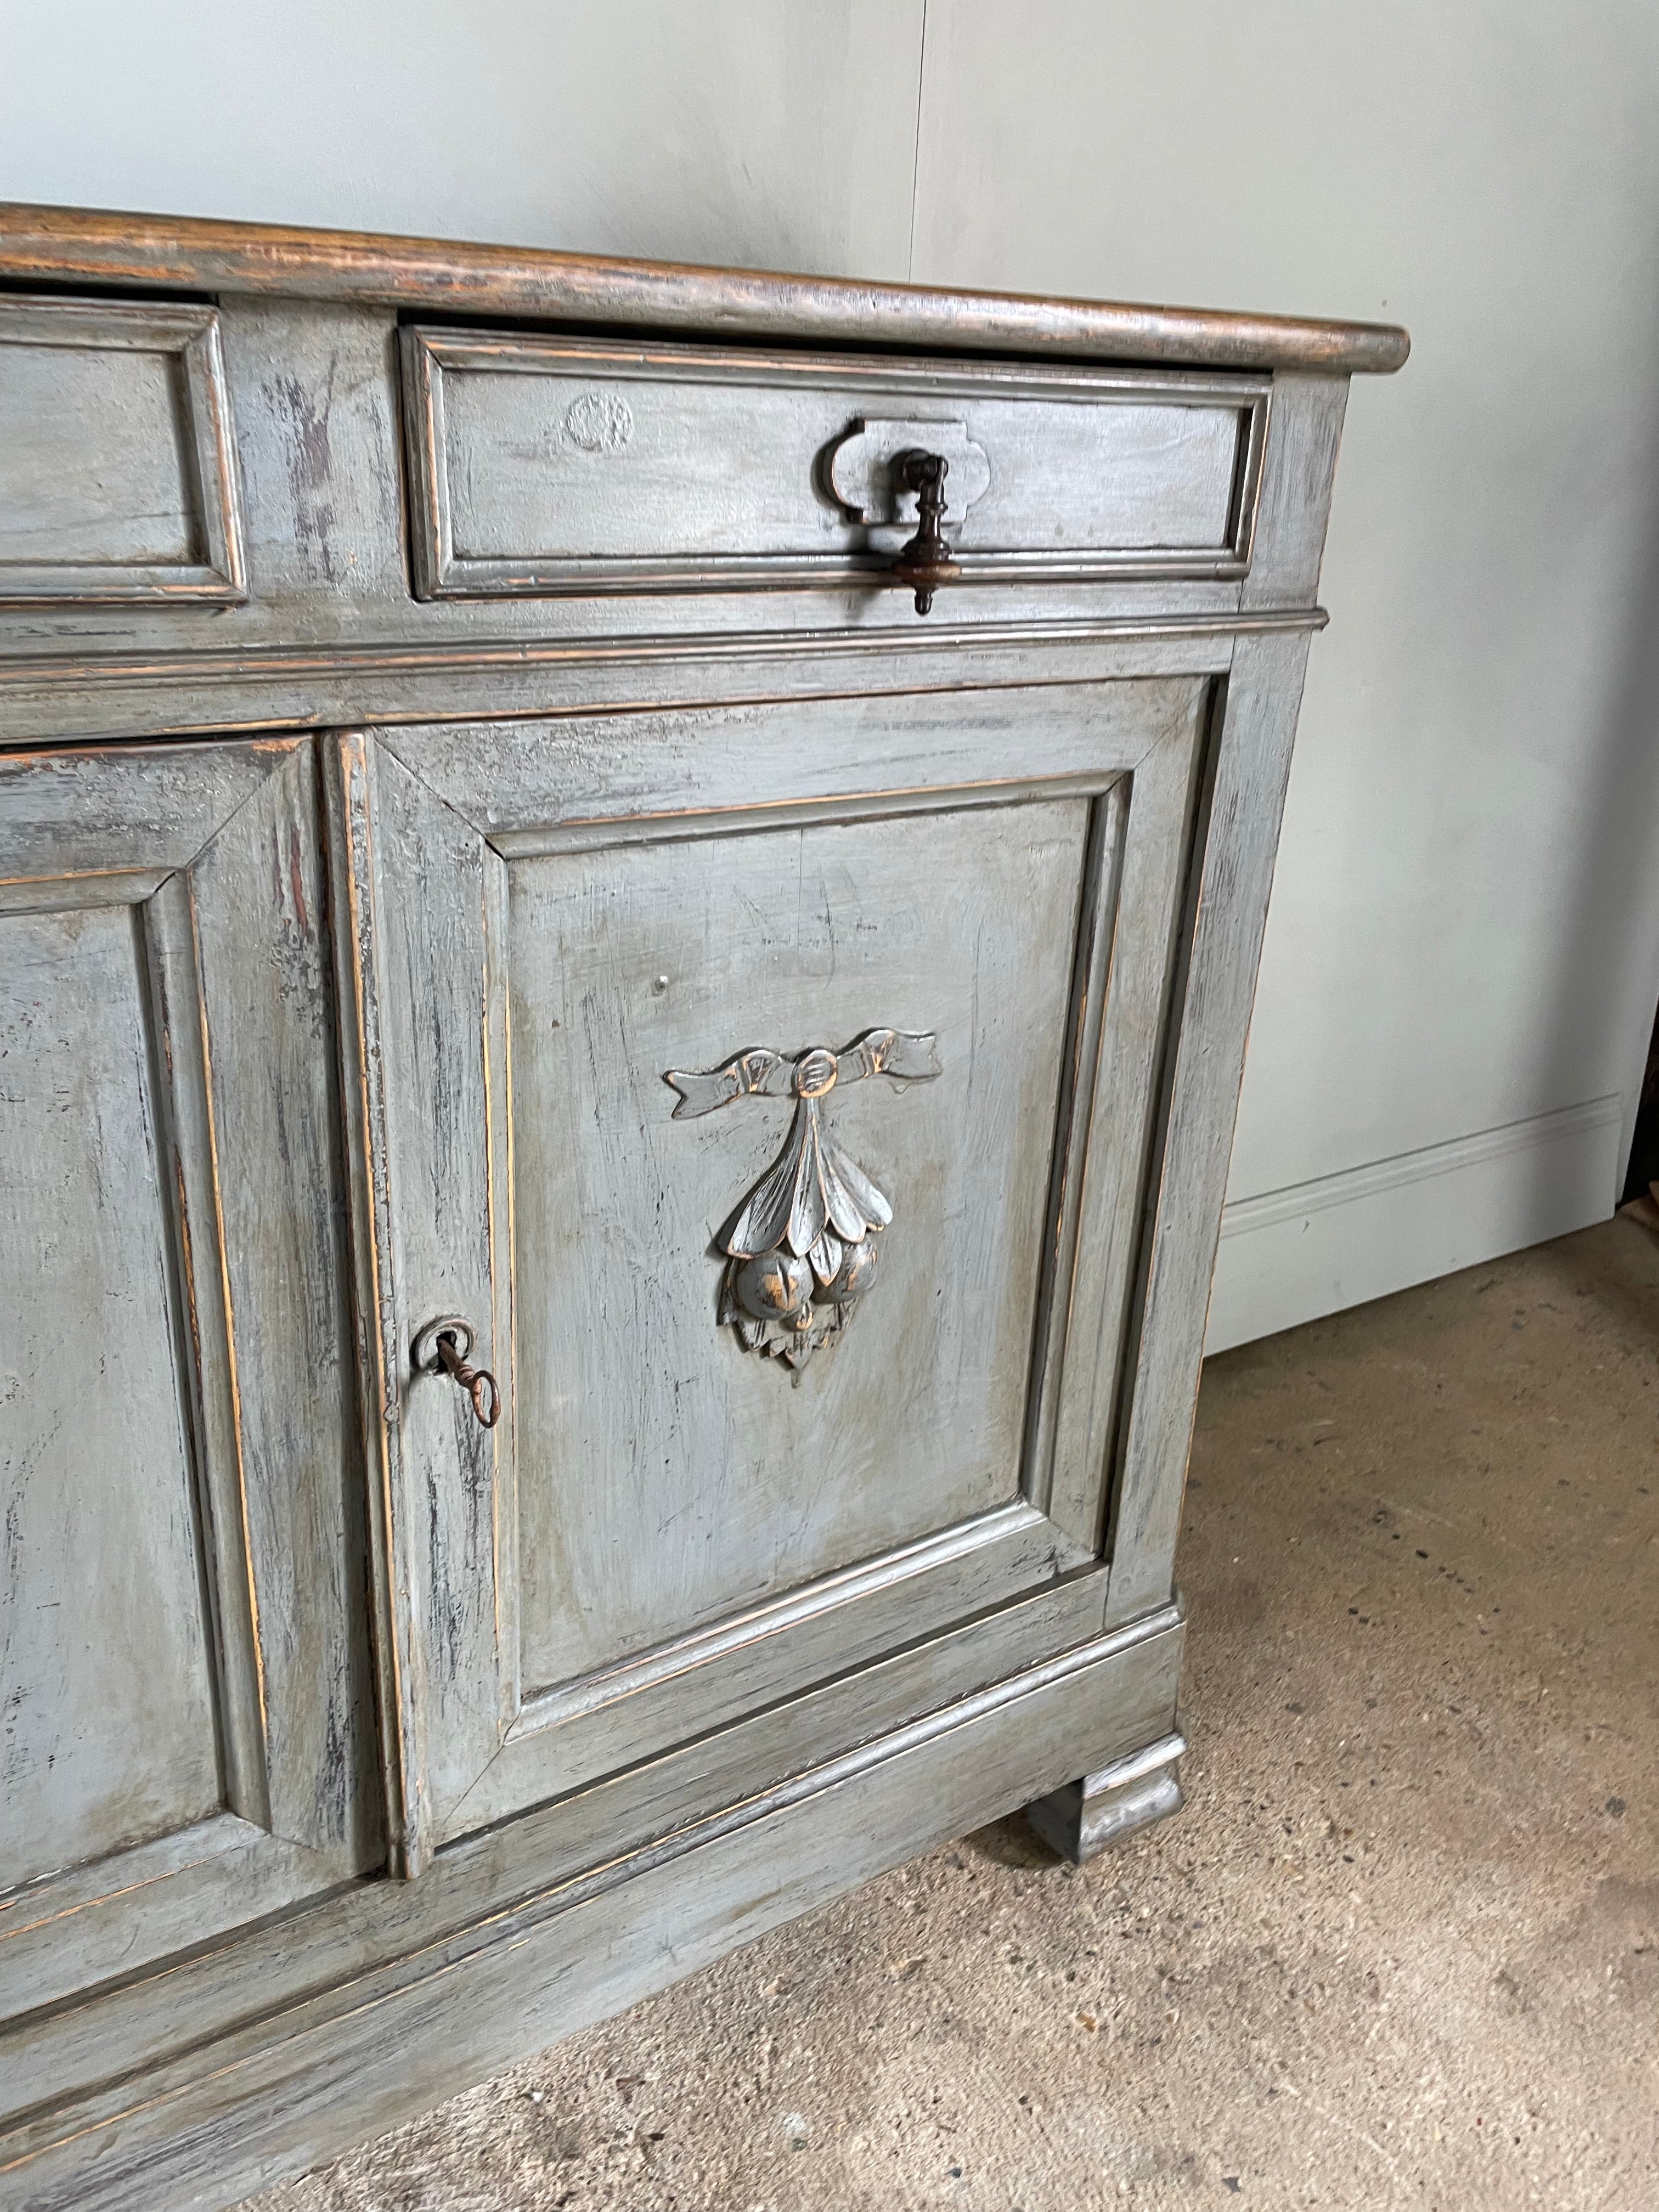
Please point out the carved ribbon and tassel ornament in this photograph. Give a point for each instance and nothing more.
(801, 1250)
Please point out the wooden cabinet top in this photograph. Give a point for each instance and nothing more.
(79, 245)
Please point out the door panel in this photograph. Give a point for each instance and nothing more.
(183, 1691)
(705, 1486)
(670, 1526)
(99, 1751)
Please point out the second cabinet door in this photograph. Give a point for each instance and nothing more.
(768, 1092)
(187, 1717)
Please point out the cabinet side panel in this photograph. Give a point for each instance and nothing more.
(1305, 430)
(1239, 838)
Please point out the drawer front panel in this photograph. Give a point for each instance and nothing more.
(699, 1500)
(117, 473)
(545, 466)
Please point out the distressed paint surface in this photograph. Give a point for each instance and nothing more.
(677, 1649)
(663, 1479)
(107, 1704)
(183, 1635)
(118, 474)
(713, 464)
(126, 500)
(331, 630)
(531, 886)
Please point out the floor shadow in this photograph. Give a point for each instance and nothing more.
(1013, 1842)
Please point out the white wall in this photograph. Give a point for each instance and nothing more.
(1463, 954)
(749, 131)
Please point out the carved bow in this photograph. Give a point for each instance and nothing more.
(815, 1198)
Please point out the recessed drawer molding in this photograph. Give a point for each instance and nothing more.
(118, 476)
(546, 465)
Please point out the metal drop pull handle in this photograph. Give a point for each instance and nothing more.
(443, 1347)
(925, 563)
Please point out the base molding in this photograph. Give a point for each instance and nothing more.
(1312, 1248)
(301, 2082)
(1089, 1816)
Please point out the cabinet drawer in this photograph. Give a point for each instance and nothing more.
(543, 466)
(117, 475)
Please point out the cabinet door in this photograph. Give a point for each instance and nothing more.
(182, 1690)
(645, 1004)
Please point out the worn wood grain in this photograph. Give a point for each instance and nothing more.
(707, 1486)
(330, 630)
(1118, 1051)
(106, 811)
(94, 1925)
(98, 1753)
(1298, 478)
(638, 916)
(665, 769)
(259, 925)
(614, 1717)
(429, 1148)
(65, 244)
(148, 696)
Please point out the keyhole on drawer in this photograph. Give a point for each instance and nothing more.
(660, 987)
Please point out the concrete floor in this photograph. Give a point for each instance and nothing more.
(1402, 1947)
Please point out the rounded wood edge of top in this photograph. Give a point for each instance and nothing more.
(57, 245)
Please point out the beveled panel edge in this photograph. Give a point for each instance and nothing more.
(512, 352)
(995, 1536)
(754, 1624)
(36, 1903)
(171, 1891)
(67, 245)
(168, 943)
(67, 893)
(679, 825)
(1092, 947)
(192, 333)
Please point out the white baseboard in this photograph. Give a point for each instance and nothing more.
(1314, 1248)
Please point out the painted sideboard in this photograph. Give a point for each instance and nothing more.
(629, 904)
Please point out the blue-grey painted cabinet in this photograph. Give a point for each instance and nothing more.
(629, 905)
